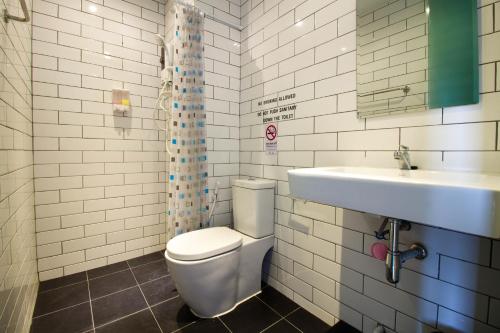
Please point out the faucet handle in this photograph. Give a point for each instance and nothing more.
(403, 147)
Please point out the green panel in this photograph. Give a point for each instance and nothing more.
(453, 53)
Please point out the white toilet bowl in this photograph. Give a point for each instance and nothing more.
(215, 269)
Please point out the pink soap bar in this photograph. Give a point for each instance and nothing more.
(379, 250)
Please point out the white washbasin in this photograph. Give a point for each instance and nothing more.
(460, 201)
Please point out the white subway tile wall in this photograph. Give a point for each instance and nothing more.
(99, 176)
(18, 272)
(103, 174)
(321, 257)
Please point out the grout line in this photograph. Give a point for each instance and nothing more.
(496, 64)
(60, 287)
(132, 273)
(297, 309)
(285, 319)
(52, 312)
(118, 319)
(115, 292)
(291, 312)
(90, 302)
(223, 323)
(183, 327)
(165, 300)
(279, 314)
(147, 303)
(105, 275)
(276, 312)
(496, 136)
(274, 324)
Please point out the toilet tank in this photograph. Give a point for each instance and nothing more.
(253, 207)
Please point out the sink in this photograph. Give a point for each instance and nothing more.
(460, 201)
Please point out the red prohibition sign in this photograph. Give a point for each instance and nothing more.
(271, 132)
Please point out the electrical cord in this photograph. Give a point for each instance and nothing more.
(163, 98)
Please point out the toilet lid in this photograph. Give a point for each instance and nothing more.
(204, 243)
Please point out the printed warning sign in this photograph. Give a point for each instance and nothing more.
(271, 139)
(281, 113)
(277, 108)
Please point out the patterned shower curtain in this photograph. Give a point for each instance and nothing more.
(188, 188)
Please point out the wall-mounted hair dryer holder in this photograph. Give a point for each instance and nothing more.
(166, 59)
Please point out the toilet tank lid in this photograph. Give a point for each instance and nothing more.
(254, 184)
(203, 244)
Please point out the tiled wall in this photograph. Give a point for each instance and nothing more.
(321, 258)
(392, 53)
(99, 175)
(18, 278)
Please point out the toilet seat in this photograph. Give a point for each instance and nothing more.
(203, 244)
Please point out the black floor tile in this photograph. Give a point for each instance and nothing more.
(111, 283)
(343, 327)
(62, 281)
(251, 316)
(60, 298)
(142, 322)
(70, 320)
(105, 270)
(159, 290)
(117, 305)
(150, 271)
(307, 322)
(205, 326)
(279, 302)
(173, 314)
(282, 327)
(146, 259)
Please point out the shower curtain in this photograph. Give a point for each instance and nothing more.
(188, 187)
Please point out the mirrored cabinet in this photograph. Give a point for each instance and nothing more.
(413, 55)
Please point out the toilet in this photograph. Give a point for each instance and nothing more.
(216, 269)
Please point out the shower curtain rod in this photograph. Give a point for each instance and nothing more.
(234, 26)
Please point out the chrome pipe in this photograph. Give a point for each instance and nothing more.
(393, 259)
(396, 258)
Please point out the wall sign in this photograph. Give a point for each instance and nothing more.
(279, 113)
(271, 139)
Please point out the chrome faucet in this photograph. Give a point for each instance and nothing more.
(403, 156)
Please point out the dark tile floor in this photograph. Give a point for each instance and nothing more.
(138, 295)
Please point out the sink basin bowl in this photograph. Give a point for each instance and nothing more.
(460, 201)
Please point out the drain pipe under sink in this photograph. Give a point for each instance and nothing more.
(394, 258)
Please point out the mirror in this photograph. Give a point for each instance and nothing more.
(392, 56)
(413, 55)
